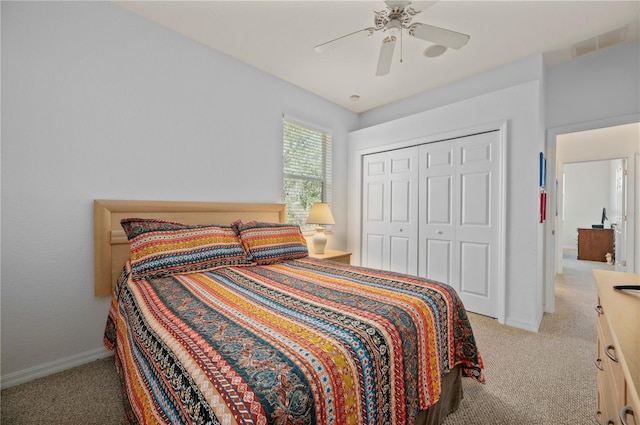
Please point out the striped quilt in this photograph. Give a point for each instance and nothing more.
(299, 342)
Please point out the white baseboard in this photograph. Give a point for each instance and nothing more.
(527, 326)
(46, 369)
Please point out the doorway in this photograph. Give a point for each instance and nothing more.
(593, 196)
(616, 138)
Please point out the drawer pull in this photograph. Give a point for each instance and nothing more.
(598, 414)
(599, 309)
(607, 350)
(609, 421)
(626, 410)
(598, 363)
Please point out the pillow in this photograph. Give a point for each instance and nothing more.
(267, 243)
(160, 247)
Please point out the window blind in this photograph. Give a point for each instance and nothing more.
(306, 169)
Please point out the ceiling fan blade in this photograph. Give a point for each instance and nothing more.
(386, 56)
(340, 41)
(448, 38)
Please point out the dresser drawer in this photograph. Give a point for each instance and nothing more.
(606, 413)
(610, 358)
(618, 356)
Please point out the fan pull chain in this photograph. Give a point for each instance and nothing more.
(401, 45)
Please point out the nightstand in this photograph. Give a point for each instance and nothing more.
(330, 254)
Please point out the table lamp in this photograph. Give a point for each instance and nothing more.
(320, 215)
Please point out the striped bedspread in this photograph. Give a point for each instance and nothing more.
(300, 342)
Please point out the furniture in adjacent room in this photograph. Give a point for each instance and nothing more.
(594, 244)
(334, 255)
(618, 348)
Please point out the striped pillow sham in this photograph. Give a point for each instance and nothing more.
(161, 248)
(267, 243)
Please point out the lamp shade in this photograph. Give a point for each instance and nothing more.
(320, 214)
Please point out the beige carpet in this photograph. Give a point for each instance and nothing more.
(532, 378)
(539, 378)
(89, 394)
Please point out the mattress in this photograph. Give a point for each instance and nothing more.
(302, 341)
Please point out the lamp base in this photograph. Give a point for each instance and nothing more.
(319, 240)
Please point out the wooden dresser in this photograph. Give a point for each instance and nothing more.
(618, 356)
(593, 244)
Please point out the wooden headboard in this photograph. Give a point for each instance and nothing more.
(110, 244)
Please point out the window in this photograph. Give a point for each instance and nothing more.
(307, 170)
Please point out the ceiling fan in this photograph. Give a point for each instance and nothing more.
(392, 21)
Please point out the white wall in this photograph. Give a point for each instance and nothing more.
(509, 75)
(593, 87)
(519, 105)
(587, 189)
(99, 103)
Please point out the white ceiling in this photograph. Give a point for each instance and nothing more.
(279, 37)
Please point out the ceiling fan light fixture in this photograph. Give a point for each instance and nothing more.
(394, 27)
(435, 50)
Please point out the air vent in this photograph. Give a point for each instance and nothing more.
(608, 39)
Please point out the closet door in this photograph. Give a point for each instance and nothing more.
(460, 217)
(438, 180)
(389, 204)
(478, 227)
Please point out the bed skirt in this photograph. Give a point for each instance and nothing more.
(449, 401)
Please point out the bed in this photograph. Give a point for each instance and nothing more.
(258, 332)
